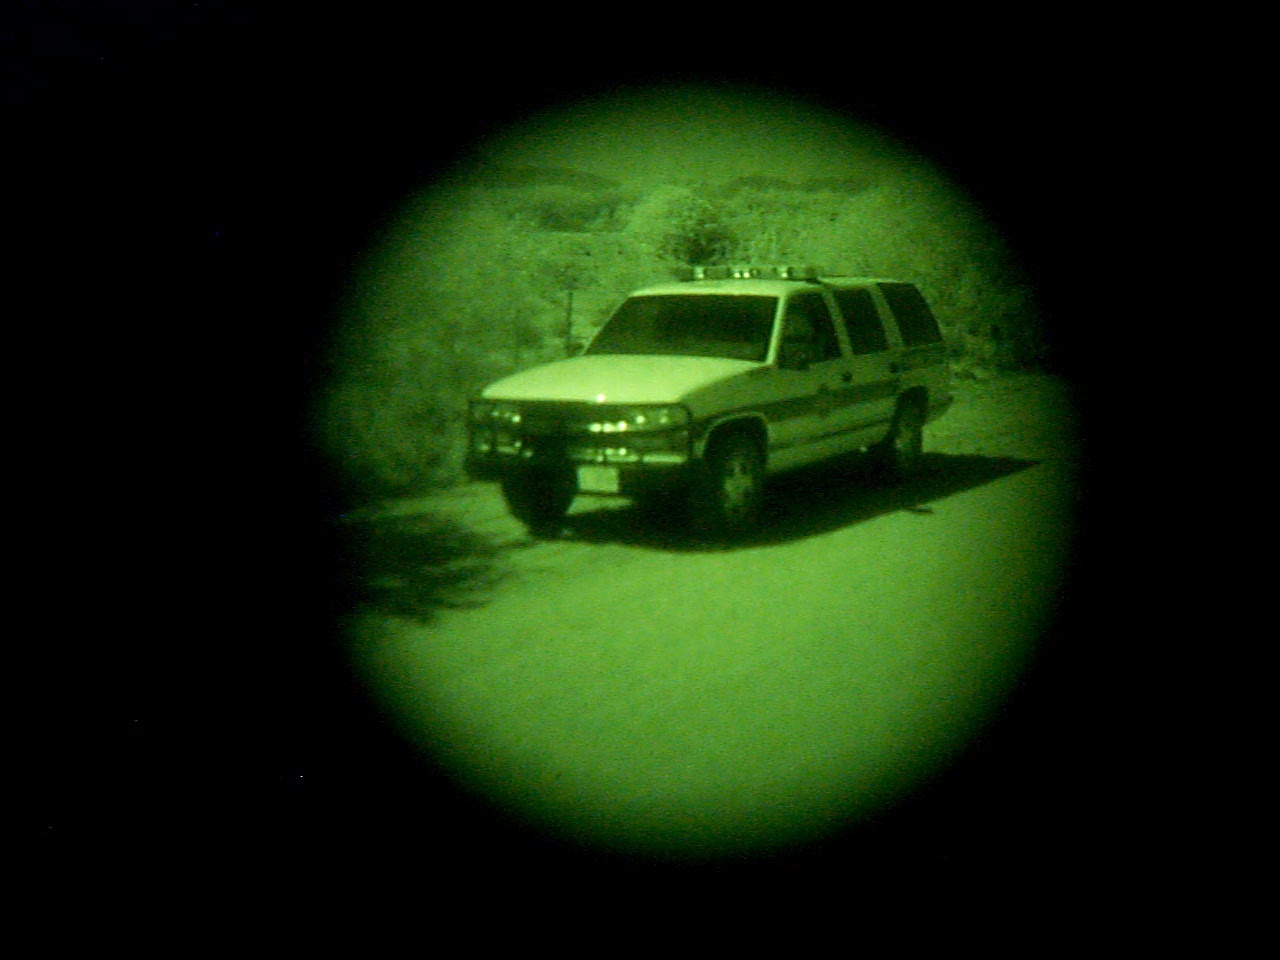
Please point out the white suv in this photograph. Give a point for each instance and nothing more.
(705, 387)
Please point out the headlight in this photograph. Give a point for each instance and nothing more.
(494, 413)
(624, 419)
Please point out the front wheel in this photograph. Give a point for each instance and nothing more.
(540, 498)
(728, 492)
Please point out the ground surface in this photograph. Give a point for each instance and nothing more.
(627, 689)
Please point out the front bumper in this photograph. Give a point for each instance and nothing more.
(597, 469)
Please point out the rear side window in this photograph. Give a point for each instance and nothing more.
(861, 320)
(811, 310)
(914, 317)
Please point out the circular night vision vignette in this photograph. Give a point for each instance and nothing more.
(661, 716)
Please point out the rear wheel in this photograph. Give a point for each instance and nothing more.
(728, 492)
(540, 498)
(899, 454)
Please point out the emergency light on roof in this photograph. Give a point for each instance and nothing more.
(780, 272)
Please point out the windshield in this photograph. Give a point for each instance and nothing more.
(691, 325)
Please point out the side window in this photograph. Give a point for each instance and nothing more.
(862, 321)
(914, 317)
(809, 310)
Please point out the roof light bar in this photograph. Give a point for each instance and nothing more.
(753, 272)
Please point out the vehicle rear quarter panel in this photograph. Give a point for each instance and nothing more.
(923, 367)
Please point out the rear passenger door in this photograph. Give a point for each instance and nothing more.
(873, 390)
(813, 422)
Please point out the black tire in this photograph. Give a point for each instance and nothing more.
(540, 499)
(729, 488)
(900, 453)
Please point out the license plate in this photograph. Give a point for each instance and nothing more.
(595, 479)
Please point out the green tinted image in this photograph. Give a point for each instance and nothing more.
(620, 683)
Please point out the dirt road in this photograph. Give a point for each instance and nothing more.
(626, 689)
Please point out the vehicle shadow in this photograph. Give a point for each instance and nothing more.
(803, 504)
(413, 566)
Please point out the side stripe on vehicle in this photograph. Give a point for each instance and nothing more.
(779, 411)
(816, 438)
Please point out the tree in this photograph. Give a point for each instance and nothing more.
(682, 226)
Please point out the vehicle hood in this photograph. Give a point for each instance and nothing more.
(617, 379)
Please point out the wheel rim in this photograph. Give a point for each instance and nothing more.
(738, 486)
